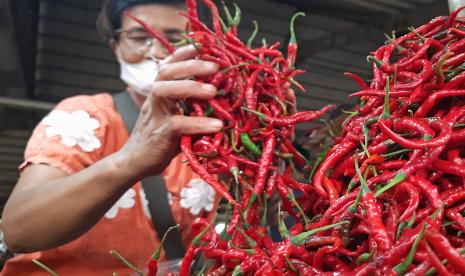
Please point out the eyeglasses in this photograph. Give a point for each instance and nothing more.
(140, 41)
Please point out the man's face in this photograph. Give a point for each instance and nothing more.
(134, 44)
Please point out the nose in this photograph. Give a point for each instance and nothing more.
(156, 50)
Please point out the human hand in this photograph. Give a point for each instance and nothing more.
(155, 138)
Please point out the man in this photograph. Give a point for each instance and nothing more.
(79, 194)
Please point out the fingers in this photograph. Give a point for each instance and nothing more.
(291, 98)
(186, 69)
(182, 89)
(194, 125)
(182, 53)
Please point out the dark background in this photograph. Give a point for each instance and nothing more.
(49, 50)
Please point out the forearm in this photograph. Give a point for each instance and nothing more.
(55, 212)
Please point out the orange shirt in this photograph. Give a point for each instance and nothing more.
(80, 131)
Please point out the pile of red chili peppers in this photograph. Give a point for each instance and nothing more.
(387, 198)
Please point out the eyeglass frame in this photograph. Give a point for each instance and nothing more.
(150, 40)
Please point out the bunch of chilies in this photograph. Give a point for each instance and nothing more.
(386, 198)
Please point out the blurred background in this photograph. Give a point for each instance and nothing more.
(50, 50)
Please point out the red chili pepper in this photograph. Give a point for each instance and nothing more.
(265, 162)
(432, 100)
(292, 46)
(435, 261)
(358, 80)
(414, 199)
(379, 93)
(154, 33)
(440, 140)
(250, 95)
(192, 8)
(330, 162)
(443, 246)
(201, 171)
(191, 251)
(450, 167)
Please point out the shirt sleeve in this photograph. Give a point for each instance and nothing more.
(71, 137)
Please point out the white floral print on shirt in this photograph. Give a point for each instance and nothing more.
(197, 196)
(126, 201)
(75, 128)
(145, 202)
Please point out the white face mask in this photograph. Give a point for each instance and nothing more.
(139, 76)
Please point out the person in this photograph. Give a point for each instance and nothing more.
(79, 193)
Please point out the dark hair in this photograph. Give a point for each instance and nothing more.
(109, 19)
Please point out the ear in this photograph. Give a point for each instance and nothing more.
(113, 44)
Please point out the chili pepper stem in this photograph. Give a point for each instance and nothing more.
(253, 35)
(401, 268)
(373, 59)
(386, 114)
(156, 254)
(252, 199)
(283, 231)
(117, 255)
(249, 240)
(363, 187)
(400, 176)
(432, 270)
(237, 271)
(44, 267)
(300, 238)
(365, 257)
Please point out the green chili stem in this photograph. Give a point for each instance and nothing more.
(412, 29)
(365, 257)
(237, 15)
(402, 225)
(300, 238)
(237, 271)
(391, 40)
(281, 103)
(401, 268)
(196, 241)
(400, 176)
(291, 197)
(233, 142)
(263, 222)
(156, 254)
(228, 15)
(235, 173)
(44, 267)
(283, 231)
(318, 162)
(293, 38)
(351, 114)
(204, 268)
(243, 218)
(386, 114)
(351, 186)
(373, 59)
(329, 127)
(115, 253)
(432, 270)
(395, 153)
(253, 35)
(412, 220)
(249, 240)
(259, 114)
(365, 148)
(363, 186)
